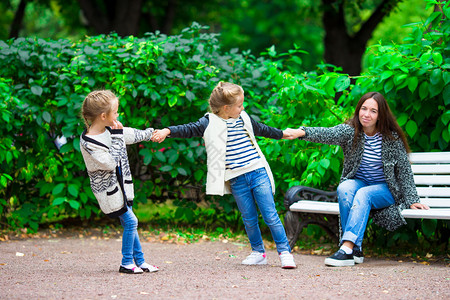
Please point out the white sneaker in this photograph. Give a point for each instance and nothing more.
(287, 260)
(148, 268)
(255, 258)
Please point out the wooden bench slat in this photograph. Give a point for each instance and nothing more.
(433, 191)
(429, 157)
(431, 169)
(435, 213)
(315, 207)
(436, 202)
(432, 179)
(333, 209)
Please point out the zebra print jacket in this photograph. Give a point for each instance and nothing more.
(108, 168)
(396, 167)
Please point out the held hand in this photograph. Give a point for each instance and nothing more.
(160, 135)
(419, 206)
(117, 125)
(291, 134)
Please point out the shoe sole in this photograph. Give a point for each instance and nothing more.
(128, 271)
(289, 267)
(148, 270)
(339, 263)
(358, 260)
(264, 262)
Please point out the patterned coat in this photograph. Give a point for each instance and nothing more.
(396, 167)
(107, 165)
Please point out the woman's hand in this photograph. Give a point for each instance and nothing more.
(160, 135)
(419, 206)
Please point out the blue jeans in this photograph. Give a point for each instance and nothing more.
(251, 189)
(356, 198)
(131, 246)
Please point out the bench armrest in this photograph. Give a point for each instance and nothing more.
(301, 192)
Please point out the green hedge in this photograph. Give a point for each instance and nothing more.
(164, 80)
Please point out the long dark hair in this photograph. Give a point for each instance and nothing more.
(386, 123)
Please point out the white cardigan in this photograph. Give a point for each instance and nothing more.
(215, 137)
(107, 165)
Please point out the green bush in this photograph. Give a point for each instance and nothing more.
(165, 80)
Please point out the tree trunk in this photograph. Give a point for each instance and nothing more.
(16, 24)
(119, 16)
(341, 49)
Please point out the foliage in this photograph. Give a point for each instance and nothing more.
(164, 80)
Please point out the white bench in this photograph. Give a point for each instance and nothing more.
(307, 205)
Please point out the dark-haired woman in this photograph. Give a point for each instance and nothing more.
(376, 174)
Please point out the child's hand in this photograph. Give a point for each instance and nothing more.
(160, 135)
(291, 134)
(117, 125)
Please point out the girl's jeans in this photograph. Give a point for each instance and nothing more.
(251, 189)
(356, 198)
(131, 246)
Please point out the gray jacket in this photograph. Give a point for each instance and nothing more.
(396, 167)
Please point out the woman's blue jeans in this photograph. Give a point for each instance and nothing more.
(131, 246)
(356, 198)
(251, 189)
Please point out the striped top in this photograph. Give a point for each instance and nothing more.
(240, 150)
(371, 167)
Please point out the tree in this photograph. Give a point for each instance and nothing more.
(343, 47)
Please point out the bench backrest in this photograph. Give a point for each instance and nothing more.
(432, 177)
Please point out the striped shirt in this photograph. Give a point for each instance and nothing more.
(371, 167)
(240, 151)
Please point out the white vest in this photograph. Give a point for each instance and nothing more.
(215, 137)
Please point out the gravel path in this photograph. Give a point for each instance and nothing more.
(87, 268)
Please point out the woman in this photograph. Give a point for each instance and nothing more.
(376, 175)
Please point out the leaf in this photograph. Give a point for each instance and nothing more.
(46, 116)
(190, 95)
(342, 83)
(325, 163)
(446, 117)
(73, 190)
(412, 83)
(166, 168)
(402, 119)
(58, 189)
(446, 95)
(36, 90)
(58, 201)
(160, 156)
(182, 171)
(437, 57)
(423, 90)
(172, 101)
(74, 204)
(411, 128)
(435, 77)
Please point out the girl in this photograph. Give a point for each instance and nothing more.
(376, 175)
(103, 146)
(237, 165)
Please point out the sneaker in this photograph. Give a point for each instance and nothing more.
(358, 256)
(340, 259)
(130, 269)
(148, 268)
(287, 260)
(255, 258)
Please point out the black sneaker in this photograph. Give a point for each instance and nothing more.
(340, 259)
(358, 256)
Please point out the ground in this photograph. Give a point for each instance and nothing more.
(78, 266)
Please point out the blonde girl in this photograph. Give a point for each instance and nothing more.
(237, 165)
(103, 146)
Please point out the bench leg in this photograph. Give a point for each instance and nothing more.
(292, 225)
